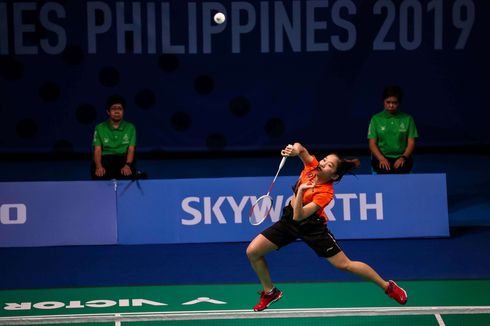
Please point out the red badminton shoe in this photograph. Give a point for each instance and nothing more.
(266, 299)
(396, 292)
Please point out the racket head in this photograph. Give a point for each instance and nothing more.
(260, 209)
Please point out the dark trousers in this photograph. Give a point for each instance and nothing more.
(406, 168)
(113, 165)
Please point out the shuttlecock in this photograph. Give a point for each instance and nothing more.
(219, 18)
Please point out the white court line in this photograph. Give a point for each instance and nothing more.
(241, 314)
(117, 322)
(439, 319)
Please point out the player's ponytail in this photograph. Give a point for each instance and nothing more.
(346, 166)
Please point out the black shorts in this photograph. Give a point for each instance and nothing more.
(311, 230)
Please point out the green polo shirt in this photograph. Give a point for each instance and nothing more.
(114, 140)
(392, 132)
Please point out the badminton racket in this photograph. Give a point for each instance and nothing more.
(263, 205)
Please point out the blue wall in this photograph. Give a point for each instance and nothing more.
(211, 210)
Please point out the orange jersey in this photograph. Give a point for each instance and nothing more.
(321, 194)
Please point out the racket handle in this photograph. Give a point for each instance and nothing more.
(282, 162)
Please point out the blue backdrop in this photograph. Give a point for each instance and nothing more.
(34, 214)
(216, 210)
(210, 210)
(273, 73)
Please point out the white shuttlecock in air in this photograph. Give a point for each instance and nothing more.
(219, 18)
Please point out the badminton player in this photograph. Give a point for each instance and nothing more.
(305, 218)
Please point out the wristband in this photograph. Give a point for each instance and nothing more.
(128, 163)
(404, 157)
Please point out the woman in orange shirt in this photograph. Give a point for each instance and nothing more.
(305, 218)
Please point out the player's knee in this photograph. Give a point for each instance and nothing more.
(252, 254)
(343, 265)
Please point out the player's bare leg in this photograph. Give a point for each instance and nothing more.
(342, 262)
(256, 251)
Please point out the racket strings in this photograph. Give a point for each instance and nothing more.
(262, 207)
(260, 210)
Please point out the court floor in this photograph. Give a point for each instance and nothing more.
(441, 302)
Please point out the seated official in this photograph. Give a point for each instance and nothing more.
(114, 145)
(391, 136)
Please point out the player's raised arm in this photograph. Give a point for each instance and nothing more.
(298, 150)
